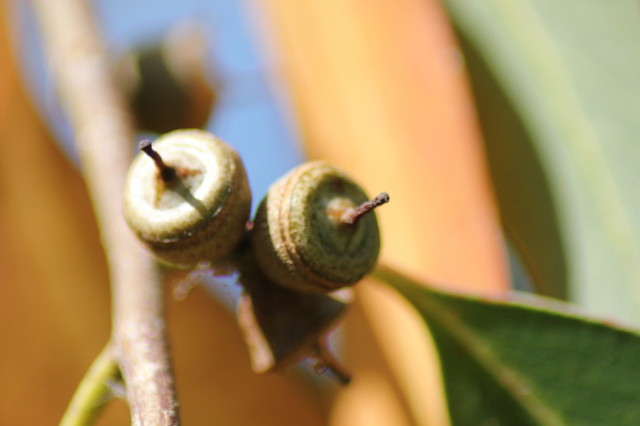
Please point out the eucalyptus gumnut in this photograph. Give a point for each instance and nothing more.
(187, 198)
(168, 83)
(315, 230)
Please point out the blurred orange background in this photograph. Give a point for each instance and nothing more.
(382, 94)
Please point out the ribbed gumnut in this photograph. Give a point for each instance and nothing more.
(299, 238)
(198, 215)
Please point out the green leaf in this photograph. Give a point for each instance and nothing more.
(527, 363)
(558, 89)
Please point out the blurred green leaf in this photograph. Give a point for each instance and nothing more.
(558, 87)
(527, 362)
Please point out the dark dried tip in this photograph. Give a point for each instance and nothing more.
(166, 172)
(341, 375)
(326, 361)
(351, 216)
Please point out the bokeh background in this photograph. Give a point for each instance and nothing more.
(384, 90)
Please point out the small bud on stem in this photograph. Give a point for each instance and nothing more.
(166, 172)
(351, 216)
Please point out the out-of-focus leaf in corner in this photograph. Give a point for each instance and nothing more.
(528, 211)
(527, 362)
(571, 73)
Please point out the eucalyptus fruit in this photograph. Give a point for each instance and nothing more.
(315, 230)
(187, 198)
(168, 83)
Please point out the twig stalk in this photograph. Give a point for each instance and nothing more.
(104, 134)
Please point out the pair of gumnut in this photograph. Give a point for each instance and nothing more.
(313, 233)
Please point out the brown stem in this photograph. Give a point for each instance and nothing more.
(166, 172)
(351, 216)
(103, 134)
